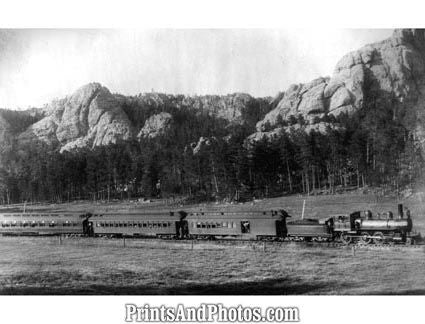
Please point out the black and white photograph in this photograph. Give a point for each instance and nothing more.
(212, 162)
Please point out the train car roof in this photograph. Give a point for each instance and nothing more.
(238, 214)
(173, 215)
(22, 215)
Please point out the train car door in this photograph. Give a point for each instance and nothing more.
(245, 227)
(281, 230)
(182, 229)
(88, 227)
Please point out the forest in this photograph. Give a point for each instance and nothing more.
(372, 148)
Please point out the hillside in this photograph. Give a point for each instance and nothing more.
(92, 116)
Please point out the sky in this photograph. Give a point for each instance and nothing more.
(39, 65)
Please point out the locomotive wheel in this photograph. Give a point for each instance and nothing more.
(379, 238)
(365, 238)
(345, 238)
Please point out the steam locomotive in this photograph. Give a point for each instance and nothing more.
(271, 225)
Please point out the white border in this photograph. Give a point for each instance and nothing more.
(211, 14)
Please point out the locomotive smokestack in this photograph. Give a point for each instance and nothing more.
(400, 210)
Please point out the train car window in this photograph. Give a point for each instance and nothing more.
(198, 225)
(25, 224)
(203, 225)
(245, 227)
(165, 224)
(33, 224)
(52, 224)
(234, 225)
(125, 224)
(14, 224)
(41, 224)
(224, 224)
(4, 224)
(213, 225)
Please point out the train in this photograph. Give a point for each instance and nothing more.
(272, 225)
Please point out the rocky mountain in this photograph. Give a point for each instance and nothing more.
(321, 127)
(393, 68)
(156, 125)
(90, 117)
(230, 107)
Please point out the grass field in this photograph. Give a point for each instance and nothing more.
(40, 265)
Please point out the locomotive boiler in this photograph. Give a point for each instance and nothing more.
(367, 228)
